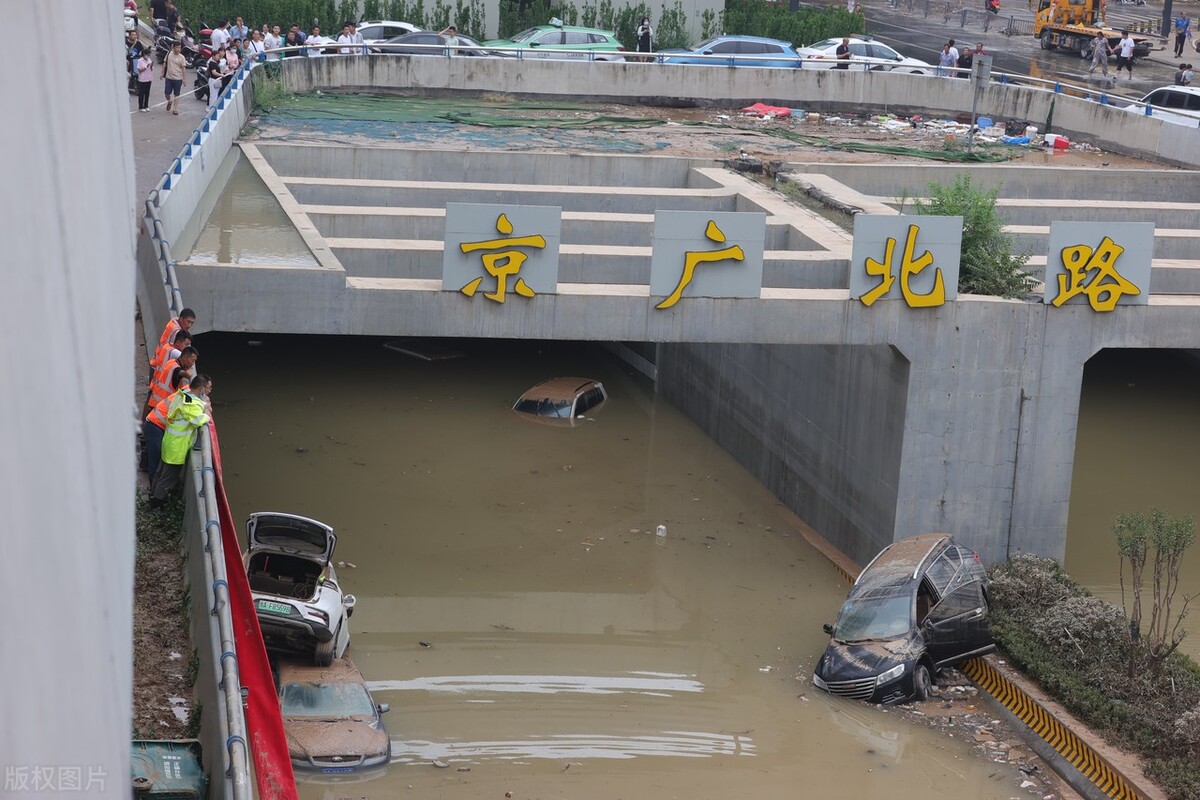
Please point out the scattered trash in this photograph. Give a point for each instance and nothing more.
(439, 764)
(661, 531)
(771, 112)
(425, 644)
(346, 565)
(767, 668)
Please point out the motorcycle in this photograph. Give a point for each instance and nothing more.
(200, 86)
(197, 52)
(991, 6)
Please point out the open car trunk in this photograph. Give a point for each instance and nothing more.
(283, 575)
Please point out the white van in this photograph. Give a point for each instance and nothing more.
(1177, 104)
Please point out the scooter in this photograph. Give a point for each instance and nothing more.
(201, 86)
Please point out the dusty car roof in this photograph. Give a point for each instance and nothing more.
(557, 389)
(896, 563)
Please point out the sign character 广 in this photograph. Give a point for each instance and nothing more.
(909, 267)
(694, 258)
(504, 264)
(1093, 273)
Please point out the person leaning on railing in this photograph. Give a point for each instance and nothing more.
(187, 413)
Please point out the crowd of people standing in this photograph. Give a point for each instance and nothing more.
(177, 406)
(233, 44)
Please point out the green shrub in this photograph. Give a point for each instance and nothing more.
(1076, 647)
(988, 266)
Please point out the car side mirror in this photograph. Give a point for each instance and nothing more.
(349, 601)
(383, 708)
(535, 44)
(827, 628)
(707, 52)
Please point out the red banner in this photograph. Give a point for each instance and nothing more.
(264, 724)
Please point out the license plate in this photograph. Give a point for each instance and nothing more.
(336, 770)
(274, 608)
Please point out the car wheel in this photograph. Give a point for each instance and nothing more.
(922, 685)
(323, 653)
(1046, 41)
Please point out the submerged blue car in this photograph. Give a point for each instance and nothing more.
(736, 51)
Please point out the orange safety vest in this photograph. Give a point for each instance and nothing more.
(160, 384)
(160, 355)
(158, 414)
(169, 331)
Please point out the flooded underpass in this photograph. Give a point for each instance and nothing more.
(517, 609)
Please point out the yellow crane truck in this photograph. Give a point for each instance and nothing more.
(1072, 25)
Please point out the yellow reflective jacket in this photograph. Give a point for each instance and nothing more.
(184, 418)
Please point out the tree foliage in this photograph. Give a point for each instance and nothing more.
(1138, 537)
(802, 27)
(988, 266)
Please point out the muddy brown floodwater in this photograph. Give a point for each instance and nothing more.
(1138, 439)
(568, 650)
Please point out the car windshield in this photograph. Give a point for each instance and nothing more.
(546, 408)
(325, 700)
(707, 43)
(526, 35)
(878, 614)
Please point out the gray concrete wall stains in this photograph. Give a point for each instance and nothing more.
(822, 427)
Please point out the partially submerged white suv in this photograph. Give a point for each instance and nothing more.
(300, 605)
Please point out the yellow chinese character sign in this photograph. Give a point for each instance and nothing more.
(500, 251)
(914, 259)
(706, 254)
(1102, 264)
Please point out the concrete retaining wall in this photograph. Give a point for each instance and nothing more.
(821, 427)
(822, 90)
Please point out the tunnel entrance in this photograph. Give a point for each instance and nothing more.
(1136, 448)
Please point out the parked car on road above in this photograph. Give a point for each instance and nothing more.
(297, 598)
(549, 41)
(432, 43)
(380, 30)
(865, 54)
(331, 721)
(920, 605)
(1177, 104)
(736, 51)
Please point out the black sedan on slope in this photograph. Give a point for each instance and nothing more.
(920, 605)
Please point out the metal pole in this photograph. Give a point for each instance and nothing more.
(1166, 20)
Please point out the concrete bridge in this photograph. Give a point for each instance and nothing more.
(871, 423)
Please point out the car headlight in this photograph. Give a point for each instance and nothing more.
(820, 684)
(890, 675)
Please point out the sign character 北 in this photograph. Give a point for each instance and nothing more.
(909, 267)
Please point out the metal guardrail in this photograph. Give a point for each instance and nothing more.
(236, 746)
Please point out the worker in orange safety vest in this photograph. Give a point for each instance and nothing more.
(183, 322)
(161, 382)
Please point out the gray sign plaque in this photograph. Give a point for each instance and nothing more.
(909, 258)
(1099, 263)
(706, 254)
(500, 250)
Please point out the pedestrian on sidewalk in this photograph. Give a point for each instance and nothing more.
(1183, 32)
(946, 61)
(1125, 54)
(174, 71)
(1101, 50)
(145, 74)
(645, 39)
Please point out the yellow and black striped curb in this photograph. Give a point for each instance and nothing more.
(1090, 764)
